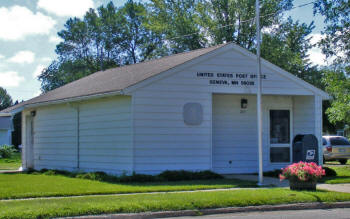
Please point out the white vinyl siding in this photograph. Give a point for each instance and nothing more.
(105, 136)
(5, 136)
(55, 138)
(235, 148)
(162, 141)
(304, 114)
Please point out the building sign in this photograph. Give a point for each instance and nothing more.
(230, 79)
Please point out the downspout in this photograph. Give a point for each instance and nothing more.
(78, 137)
(76, 107)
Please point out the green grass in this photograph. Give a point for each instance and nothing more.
(17, 185)
(41, 208)
(336, 162)
(11, 163)
(343, 175)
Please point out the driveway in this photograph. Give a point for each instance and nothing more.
(337, 213)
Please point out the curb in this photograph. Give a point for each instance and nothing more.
(164, 214)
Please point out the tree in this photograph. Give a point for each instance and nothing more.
(104, 38)
(337, 32)
(5, 99)
(338, 86)
(178, 21)
(335, 44)
(137, 41)
(233, 21)
(287, 46)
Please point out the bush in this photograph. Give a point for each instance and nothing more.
(99, 176)
(175, 175)
(7, 151)
(139, 178)
(274, 173)
(180, 175)
(329, 171)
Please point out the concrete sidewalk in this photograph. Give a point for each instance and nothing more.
(335, 187)
(10, 171)
(267, 181)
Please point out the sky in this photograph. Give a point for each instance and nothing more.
(28, 38)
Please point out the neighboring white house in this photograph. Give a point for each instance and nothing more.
(192, 111)
(5, 129)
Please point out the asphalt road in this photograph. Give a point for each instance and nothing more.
(338, 213)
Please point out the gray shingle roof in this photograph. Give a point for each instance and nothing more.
(115, 79)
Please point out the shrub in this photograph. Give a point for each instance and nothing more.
(274, 173)
(178, 175)
(99, 176)
(7, 151)
(329, 171)
(139, 178)
(181, 175)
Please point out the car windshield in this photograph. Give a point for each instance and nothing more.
(339, 141)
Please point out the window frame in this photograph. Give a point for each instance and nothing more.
(284, 145)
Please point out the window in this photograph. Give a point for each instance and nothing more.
(324, 141)
(339, 141)
(280, 154)
(279, 127)
(279, 136)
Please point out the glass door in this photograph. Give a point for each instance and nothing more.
(280, 136)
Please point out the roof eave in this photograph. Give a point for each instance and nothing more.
(66, 100)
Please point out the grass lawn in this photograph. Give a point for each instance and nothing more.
(11, 163)
(49, 208)
(343, 175)
(18, 185)
(336, 162)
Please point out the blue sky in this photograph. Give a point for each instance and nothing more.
(28, 38)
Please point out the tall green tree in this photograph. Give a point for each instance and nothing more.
(338, 85)
(336, 43)
(5, 99)
(287, 46)
(104, 38)
(137, 41)
(178, 21)
(233, 21)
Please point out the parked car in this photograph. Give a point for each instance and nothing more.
(336, 148)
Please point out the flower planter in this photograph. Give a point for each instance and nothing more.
(302, 175)
(302, 185)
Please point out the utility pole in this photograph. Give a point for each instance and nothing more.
(258, 98)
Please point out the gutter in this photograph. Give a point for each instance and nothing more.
(5, 114)
(67, 100)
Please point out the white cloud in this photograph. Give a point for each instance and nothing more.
(55, 39)
(46, 59)
(316, 57)
(316, 37)
(22, 57)
(2, 56)
(66, 8)
(10, 79)
(38, 71)
(37, 93)
(18, 22)
(270, 29)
